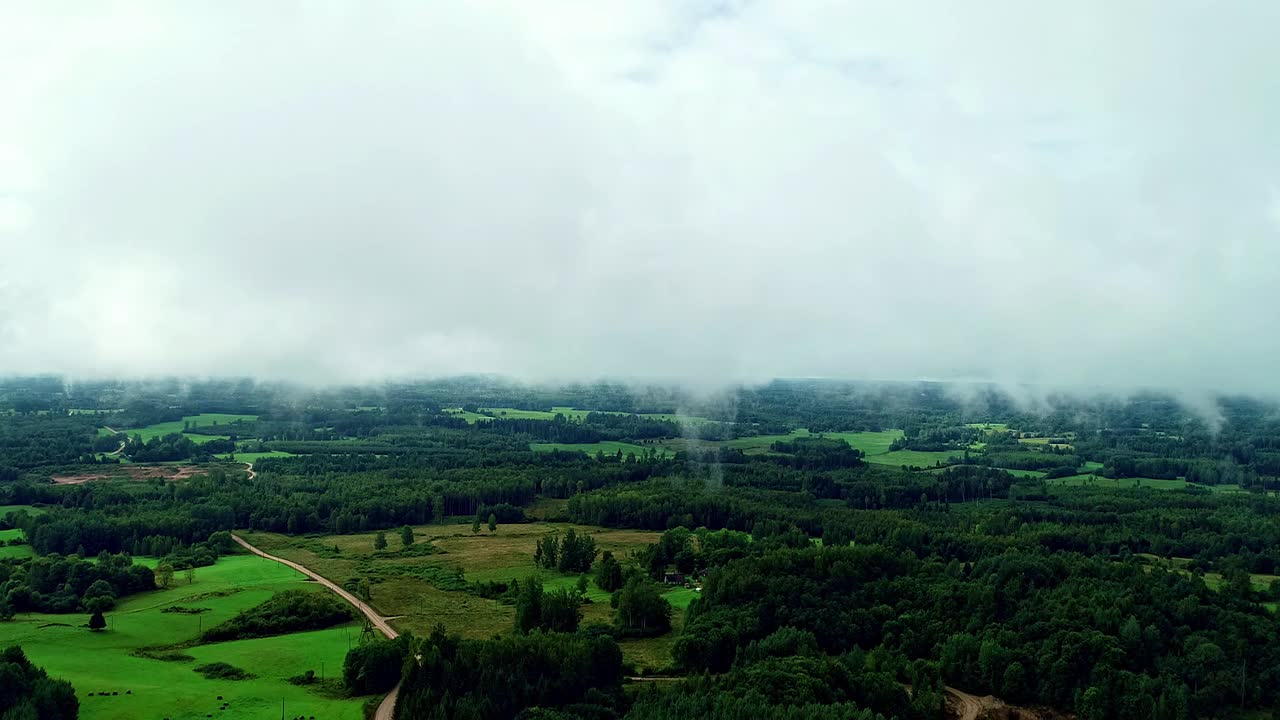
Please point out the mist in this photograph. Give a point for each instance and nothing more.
(718, 192)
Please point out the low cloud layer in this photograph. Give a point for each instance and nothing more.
(698, 191)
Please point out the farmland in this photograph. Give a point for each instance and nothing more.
(608, 447)
(104, 661)
(420, 589)
(204, 420)
(805, 540)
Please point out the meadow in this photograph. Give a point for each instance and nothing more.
(916, 458)
(608, 447)
(420, 588)
(177, 426)
(98, 662)
(253, 457)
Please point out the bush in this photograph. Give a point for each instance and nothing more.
(286, 612)
(374, 667)
(222, 671)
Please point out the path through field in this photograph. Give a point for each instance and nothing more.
(388, 704)
(248, 467)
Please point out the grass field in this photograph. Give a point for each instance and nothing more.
(402, 585)
(516, 414)
(1101, 482)
(13, 551)
(609, 447)
(918, 458)
(870, 443)
(97, 662)
(468, 416)
(252, 457)
(201, 420)
(990, 427)
(31, 509)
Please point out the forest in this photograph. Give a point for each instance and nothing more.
(859, 550)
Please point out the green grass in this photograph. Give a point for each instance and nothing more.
(31, 509)
(681, 597)
(400, 589)
(918, 458)
(1101, 482)
(761, 443)
(870, 443)
(992, 427)
(468, 416)
(95, 662)
(253, 457)
(516, 414)
(201, 420)
(609, 447)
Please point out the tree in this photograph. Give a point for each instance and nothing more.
(608, 573)
(641, 609)
(164, 575)
(493, 522)
(529, 604)
(561, 611)
(406, 536)
(380, 541)
(190, 574)
(475, 522)
(96, 621)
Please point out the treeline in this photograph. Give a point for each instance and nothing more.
(1101, 637)
(535, 675)
(28, 693)
(57, 584)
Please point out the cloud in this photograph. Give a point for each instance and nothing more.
(708, 192)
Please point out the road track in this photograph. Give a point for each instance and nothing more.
(388, 705)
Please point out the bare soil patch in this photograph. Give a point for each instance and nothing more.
(130, 472)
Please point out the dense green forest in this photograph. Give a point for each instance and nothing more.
(1107, 556)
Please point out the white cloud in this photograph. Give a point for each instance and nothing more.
(715, 191)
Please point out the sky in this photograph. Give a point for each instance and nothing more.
(1065, 193)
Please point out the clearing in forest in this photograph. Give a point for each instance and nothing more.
(98, 662)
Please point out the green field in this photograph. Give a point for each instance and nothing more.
(756, 444)
(990, 427)
(516, 414)
(253, 457)
(201, 420)
(97, 662)
(31, 509)
(609, 447)
(13, 551)
(870, 443)
(918, 458)
(402, 585)
(1101, 482)
(468, 416)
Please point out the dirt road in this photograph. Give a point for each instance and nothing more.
(248, 467)
(968, 707)
(388, 705)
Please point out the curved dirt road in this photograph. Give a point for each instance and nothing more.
(388, 705)
(248, 467)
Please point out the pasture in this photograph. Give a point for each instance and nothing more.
(420, 590)
(608, 447)
(253, 457)
(915, 458)
(1101, 482)
(190, 421)
(870, 443)
(470, 417)
(100, 662)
